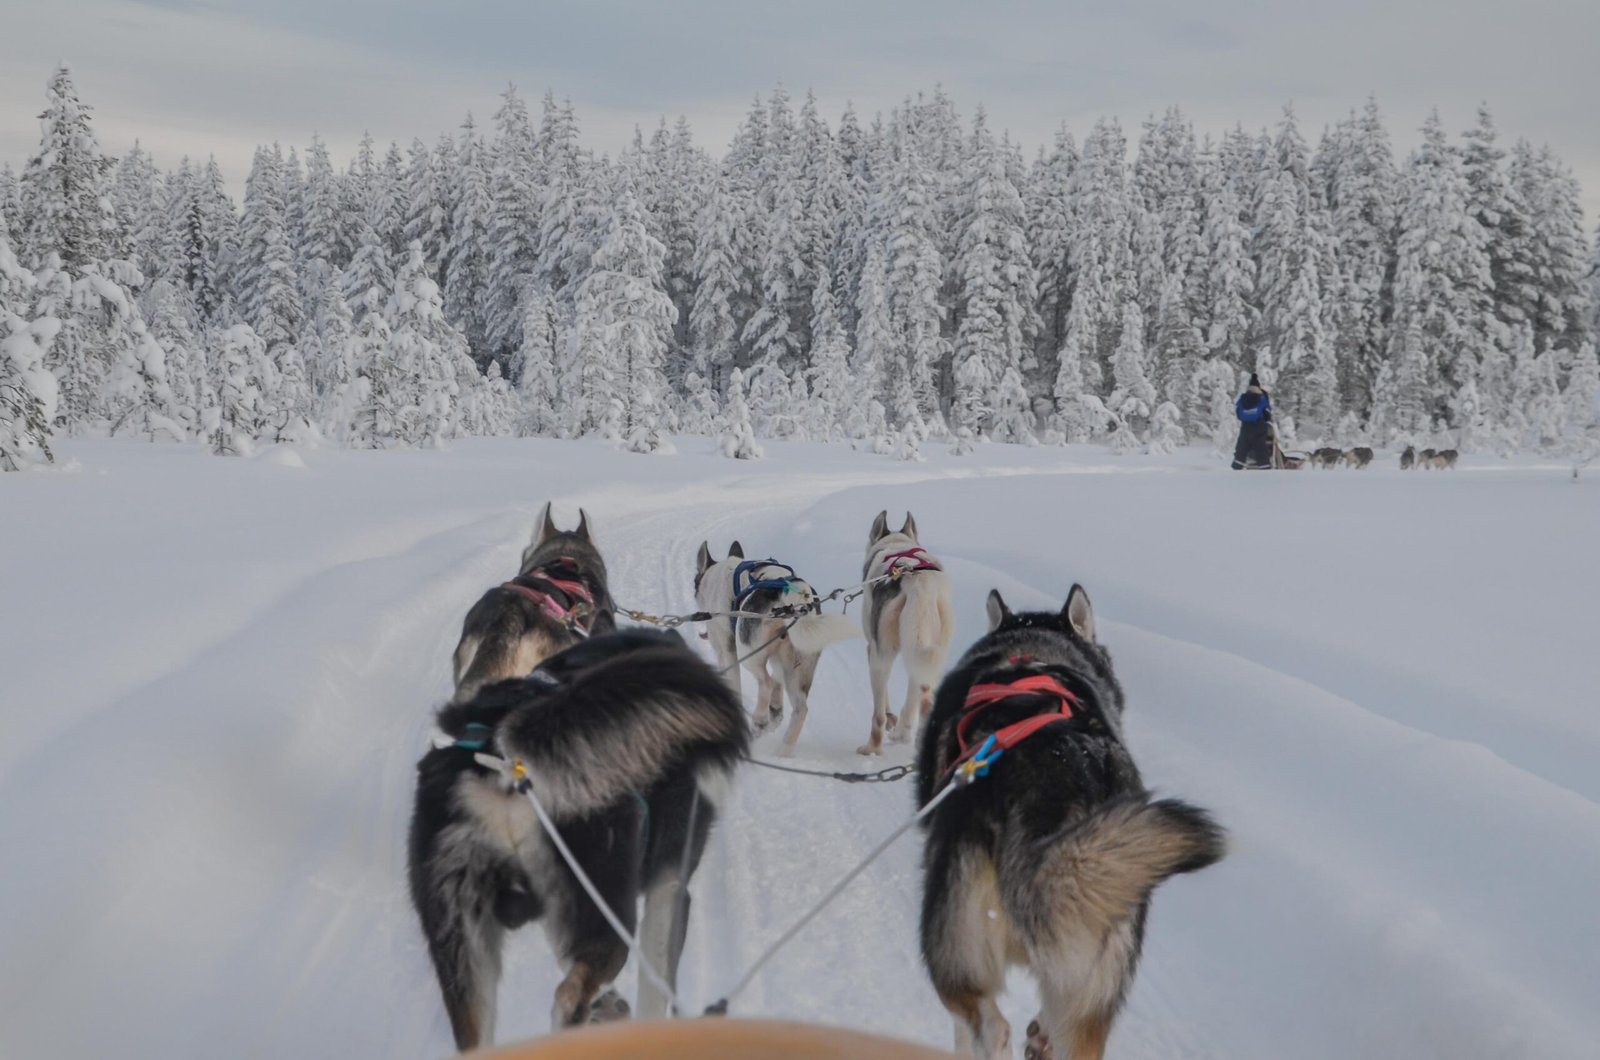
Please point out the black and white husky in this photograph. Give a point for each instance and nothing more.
(909, 616)
(1049, 859)
(628, 739)
(790, 644)
(558, 597)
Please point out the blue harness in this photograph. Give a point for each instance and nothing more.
(752, 584)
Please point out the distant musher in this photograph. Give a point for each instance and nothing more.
(1254, 409)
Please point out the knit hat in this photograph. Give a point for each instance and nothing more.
(1254, 381)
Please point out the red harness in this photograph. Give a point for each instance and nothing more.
(915, 559)
(981, 697)
(574, 613)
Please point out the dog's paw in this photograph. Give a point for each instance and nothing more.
(870, 749)
(1038, 1046)
(889, 722)
(609, 1007)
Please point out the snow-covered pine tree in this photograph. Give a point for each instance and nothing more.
(1049, 223)
(998, 289)
(536, 380)
(737, 440)
(513, 224)
(1363, 194)
(913, 278)
(1558, 249)
(467, 275)
(720, 288)
(137, 198)
(27, 388)
(1099, 252)
(66, 194)
(833, 392)
(367, 283)
(268, 289)
(240, 368)
(172, 317)
(1133, 398)
(424, 213)
(1442, 311)
(624, 325)
(425, 354)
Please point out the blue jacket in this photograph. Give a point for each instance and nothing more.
(1253, 408)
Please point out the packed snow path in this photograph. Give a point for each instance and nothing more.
(216, 677)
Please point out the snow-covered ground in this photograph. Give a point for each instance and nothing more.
(216, 675)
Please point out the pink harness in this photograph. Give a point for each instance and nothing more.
(912, 559)
(574, 613)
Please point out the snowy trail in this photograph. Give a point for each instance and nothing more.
(209, 785)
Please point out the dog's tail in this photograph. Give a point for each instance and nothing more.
(620, 725)
(928, 618)
(812, 633)
(1097, 871)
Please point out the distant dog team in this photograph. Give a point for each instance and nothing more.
(628, 740)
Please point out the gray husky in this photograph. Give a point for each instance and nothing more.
(628, 739)
(790, 643)
(1050, 858)
(909, 616)
(558, 597)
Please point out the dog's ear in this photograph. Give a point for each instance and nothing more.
(1078, 613)
(880, 526)
(583, 526)
(909, 527)
(703, 560)
(736, 550)
(544, 527)
(998, 611)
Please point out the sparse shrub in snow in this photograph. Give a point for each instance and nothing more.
(1166, 430)
(738, 439)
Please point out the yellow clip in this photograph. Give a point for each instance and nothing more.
(518, 770)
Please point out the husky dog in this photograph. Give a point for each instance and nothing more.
(1408, 458)
(1326, 457)
(627, 739)
(1425, 458)
(1049, 859)
(558, 597)
(909, 616)
(1443, 459)
(1359, 457)
(789, 643)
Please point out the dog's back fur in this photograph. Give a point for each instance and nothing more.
(1049, 860)
(1359, 457)
(1408, 458)
(506, 635)
(1326, 457)
(628, 739)
(910, 616)
(764, 642)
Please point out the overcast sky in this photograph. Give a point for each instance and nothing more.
(220, 76)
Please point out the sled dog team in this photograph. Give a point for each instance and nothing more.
(1438, 459)
(1045, 855)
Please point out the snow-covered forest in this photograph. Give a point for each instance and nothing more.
(888, 281)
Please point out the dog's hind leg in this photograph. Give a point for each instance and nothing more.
(466, 955)
(798, 673)
(661, 937)
(589, 973)
(879, 662)
(964, 943)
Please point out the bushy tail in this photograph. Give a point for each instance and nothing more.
(814, 632)
(1098, 871)
(928, 619)
(617, 726)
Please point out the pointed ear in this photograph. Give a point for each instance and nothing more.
(909, 527)
(736, 549)
(703, 560)
(998, 611)
(544, 528)
(880, 526)
(1078, 613)
(583, 525)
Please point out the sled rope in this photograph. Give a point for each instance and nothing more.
(881, 776)
(519, 771)
(964, 776)
(846, 593)
(769, 642)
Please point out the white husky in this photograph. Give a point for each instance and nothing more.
(910, 616)
(792, 646)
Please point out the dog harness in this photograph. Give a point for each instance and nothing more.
(981, 697)
(746, 572)
(912, 559)
(567, 600)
